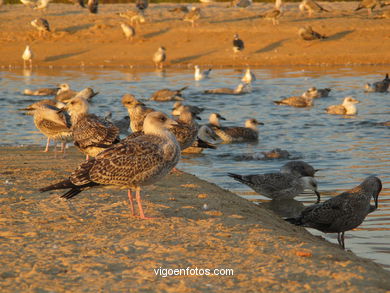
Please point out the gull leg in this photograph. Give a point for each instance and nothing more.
(139, 202)
(342, 240)
(47, 145)
(55, 149)
(63, 146)
(130, 196)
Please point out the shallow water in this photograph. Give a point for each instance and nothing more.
(346, 150)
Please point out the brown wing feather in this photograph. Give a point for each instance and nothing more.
(241, 132)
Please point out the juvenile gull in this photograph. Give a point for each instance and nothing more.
(159, 57)
(93, 6)
(239, 134)
(27, 56)
(238, 44)
(311, 6)
(179, 107)
(192, 16)
(65, 93)
(343, 212)
(91, 134)
(186, 130)
(278, 186)
(165, 95)
(346, 108)
(239, 90)
(198, 75)
(307, 34)
(41, 92)
(369, 4)
(298, 168)
(137, 111)
(131, 164)
(87, 94)
(248, 77)
(379, 86)
(29, 3)
(128, 30)
(313, 92)
(296, 101)
(42, 25)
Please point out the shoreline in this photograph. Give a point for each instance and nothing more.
(94, 244)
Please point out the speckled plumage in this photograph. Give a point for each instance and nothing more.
(186, 131)
(239, 134)
(165, 95)
(298, 168)
(137, 111)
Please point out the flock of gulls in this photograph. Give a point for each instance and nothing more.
(156, 142)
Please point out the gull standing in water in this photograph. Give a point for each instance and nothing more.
(307, 34)
(296, 101)
(128, 30)
(346, 108)
(192, 16)
(343, 212)
(248, 77)
(159, 57)
(131, 164)
(379, 86)
(137, 111)
(198, 75)
(42, 25)
(311, 6)
(239, 134)
(165, 95)
(186, 130)
(27, 56)
(214, 120)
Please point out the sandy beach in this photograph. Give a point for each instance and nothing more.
(81, 39)
(92, 244)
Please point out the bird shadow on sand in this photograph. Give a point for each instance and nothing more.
(271, 46)
(192, 57)
(236, 19)
(76, 28)
(156, 33)
(74, 12)
(63, 56)
(338, 36)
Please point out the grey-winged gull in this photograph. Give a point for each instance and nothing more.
(199, 75)
(313, 92)
(348, 107)
(248, 77)
(131, 164)
(128, 30)
(343, 212)
(298, 168)
(379, 86)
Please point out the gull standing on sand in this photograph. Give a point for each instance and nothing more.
(346, 108)
(42, 25)
(369, 4)
(179, 107)
(133, 17)
(159, 57)
(239, 134)
(248, 77)
(128, 30)
(296, 101)
(238, 44)
(165, 95)
(313, 92)
(27, 56)
(93, 6)
(307, 34)
(131, 164)
(137, 111)
(141, 6)
(379, 86)
(91, 134)
(275, 13)
(198, 75)
(343, 212)
(192, 16)
(242, 3)
(278, 186)
(42, 5)
(311, 6)
(239, 90)
(51, 122)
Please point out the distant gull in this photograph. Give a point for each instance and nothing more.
(369, 4)
(159, 57)
(238, 44)
(298, 168)
(198, 75)
(65, 93)
(91, 134)
(165, 95)
(296, 101)
(343, 212)
(131, 164)
(239, 90)
(313, 92)
(132, 16)
(379, 86)
(137, 111)
(278, 186)
(42, 25)
(50, 121)
(93, 6)
(242, 3)
(239, 134)
(311, 6)
(41, 92)
(248, 77)
(307, 34)
(141, 5)
(276, 154)
(128, 30)
(346, 108)
(178, 107)
(192, 16)
(42, 4)
(275, 13)
(27, 56)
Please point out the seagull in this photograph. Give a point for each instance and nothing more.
(27, 56)
(42, 25)
(165, 95)
(311, 6)
(296, 101)
(239, 134)
(128, 30)
(87, 94)
(214, 120)
(343, 212)
(64, 94)
(238, 44)
(141, 5)
(346, 108)
(369, 4)
(131, 164)
(313, 92)
(278, 186)
(379, 86)
(29, 3)
(275, 13)
(179, 107)
(186, 130)
(307, 34)
(42, 4)
(298, 168)
(242, 3)
(93, 6)
(248, 77)
(51, 122)
(91, 134)
(159, 57)
(239, 90)
(201, 75)
(192, 16)
(137, 111)
(133, 17)
(41, 92)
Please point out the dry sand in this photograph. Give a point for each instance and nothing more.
(94, 245)
(97, 40)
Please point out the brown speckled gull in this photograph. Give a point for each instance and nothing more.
(137, 111)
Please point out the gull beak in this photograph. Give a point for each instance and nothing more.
(318, 196)
(171, 123)
(260, 123)
(222, 118)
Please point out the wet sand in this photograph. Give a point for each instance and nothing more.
(80, 39)
(92, 244)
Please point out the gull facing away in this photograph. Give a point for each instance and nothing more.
(42, 25)
(137, 111)
(93, 6)
(275, 13)
(311, 6)
(41, 92)
(91, 134)
(296, 101)
(51, 122)
(238, 44)
(379, 86)
(307, 34)
(192, 16)
(346, 108)
(239, 90)
(159, 57)
(278, 186)
(165, 95)
(131, 164)
(369, 4)
(128, 30)
(343, 212)
(313, 92)
(179, 107)
(298, 168)
(27, 56)
(198, 75)
(239, 134)
(248, 77)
